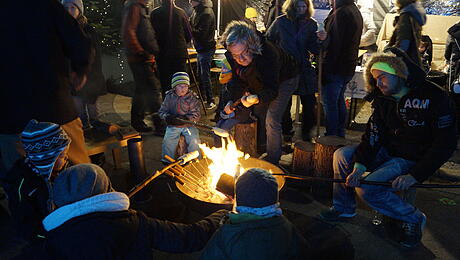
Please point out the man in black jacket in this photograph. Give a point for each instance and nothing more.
(92, 221)
(34, 78)
(203, 23)
(141, 49)
(410, 134)
(173, 34)
(263, 69)
(344, 26)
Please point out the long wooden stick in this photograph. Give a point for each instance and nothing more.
(379, 183)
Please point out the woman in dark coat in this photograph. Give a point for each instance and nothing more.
(295, 33)
(408, 28)
(86, 97)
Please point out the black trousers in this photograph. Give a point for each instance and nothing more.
(147, 93)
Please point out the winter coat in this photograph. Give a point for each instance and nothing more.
(419, 127)
(452, 49)
(173, 30)
(27, 200)
(102, 227)
(203, 23)
(259, 78)
(139, 38)
(34, 81)
(95, 84)
(299, 40)
(344, 26)
(187, 105)
(272, 238)
(409, 28)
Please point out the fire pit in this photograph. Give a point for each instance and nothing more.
(199, 178)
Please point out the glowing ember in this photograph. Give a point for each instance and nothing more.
(223, 160)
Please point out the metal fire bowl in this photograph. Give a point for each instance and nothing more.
(197, 168)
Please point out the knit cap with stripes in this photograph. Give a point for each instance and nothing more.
(43, 142)
(180, 78)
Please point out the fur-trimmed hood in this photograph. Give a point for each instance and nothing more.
(398, 60)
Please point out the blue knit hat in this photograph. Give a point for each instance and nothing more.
(180, 78)
(79, 182)
(256, 188)
(43, 142)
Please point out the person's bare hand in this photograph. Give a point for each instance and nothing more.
(353, 178)
(322, 35)
(403, 182)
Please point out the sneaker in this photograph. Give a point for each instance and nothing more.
(332, 214)
(141, 127)
(412, 233)
(210, 105)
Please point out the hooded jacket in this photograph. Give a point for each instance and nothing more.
(187, 105)
(172, 28)
(344, 26)
(419, 127)
(203, 23)
(102, 227)
(409, 28)
(272, 238)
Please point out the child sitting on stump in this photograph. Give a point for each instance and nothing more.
(180, 103)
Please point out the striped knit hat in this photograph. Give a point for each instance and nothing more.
(43, 142)
(180, 78)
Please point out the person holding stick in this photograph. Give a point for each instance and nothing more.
(410, 134)
(180, 103)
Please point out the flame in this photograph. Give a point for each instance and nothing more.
(223, 160)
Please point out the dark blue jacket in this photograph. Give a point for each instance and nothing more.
(299, 41)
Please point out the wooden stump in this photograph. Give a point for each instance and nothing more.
(246, 138)
(324, 152)
(303, 158)
(181, 147)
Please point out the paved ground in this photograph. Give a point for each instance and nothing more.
(370, 241)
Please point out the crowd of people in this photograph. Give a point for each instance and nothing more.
(65, 207)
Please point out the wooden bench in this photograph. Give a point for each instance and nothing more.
(100, 142)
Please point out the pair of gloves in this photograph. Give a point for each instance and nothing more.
(175, 119)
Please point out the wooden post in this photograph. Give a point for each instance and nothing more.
(181, 147)
(324, 153)
(246, 138)
(303, 158)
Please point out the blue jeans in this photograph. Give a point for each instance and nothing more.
(381, 198)
(274, 119)
(171, 139)
(204, 66)
(334, 103)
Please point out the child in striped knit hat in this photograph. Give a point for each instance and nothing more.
(28, 182)
(180, 103)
